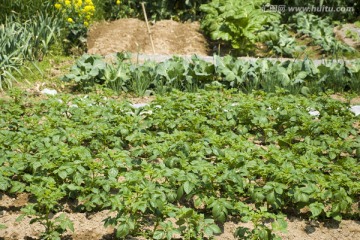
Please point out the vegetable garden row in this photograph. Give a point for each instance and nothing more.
(183, 165)
(29, 30)
(302, 77)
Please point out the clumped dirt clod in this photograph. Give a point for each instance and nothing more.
(131, 35)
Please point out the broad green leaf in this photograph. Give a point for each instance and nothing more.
(188, 187)
(212, 229)
(122, 230)
(279, 225)
(63, 174)
(113, 172)
(316, 208)
(17, 187)
(158, 234)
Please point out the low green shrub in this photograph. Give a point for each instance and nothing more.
(283, 45)
(25, 9)
(87, 71)
(240, 23)
(321, 31)
(176, 73)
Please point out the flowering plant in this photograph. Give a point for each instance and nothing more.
(78, 15)
(115, 9)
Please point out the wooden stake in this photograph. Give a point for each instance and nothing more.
(148, 28)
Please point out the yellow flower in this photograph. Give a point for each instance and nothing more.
(57, 6)
(67, 2)
(70, 20)
(118, 2)
(86, 24)
(89, 9)
(88, 2)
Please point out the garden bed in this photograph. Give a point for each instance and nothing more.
(150, 142)
(131, 35)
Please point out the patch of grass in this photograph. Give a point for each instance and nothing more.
(46, 71)
(357, 24)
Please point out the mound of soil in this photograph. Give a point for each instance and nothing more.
(131, 35)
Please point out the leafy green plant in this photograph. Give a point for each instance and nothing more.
(25, 9)
(8, 65)
(283, 45)
(141, 77)
(156, 10)
(47, 196)
(260, 230)
(321, 31)
(228, 72)
(117, 75)
(87, 71)
(241, 24)
(29, 40)
(184, 164)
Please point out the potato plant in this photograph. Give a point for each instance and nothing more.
(183, 165)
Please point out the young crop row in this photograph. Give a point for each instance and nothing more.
(177, 73)
(28, 40)
(183, 165)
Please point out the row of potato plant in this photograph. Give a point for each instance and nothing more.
(183, 165)
(177, 73)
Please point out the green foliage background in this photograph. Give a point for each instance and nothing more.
(156, 9)
(25, 9)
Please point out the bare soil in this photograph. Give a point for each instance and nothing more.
(91, 226)
(131, 35)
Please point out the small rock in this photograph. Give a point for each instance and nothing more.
(355, 110)
(314, 113)
(73, 105)
(49, 91)
(139, 105)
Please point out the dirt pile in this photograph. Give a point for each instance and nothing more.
(131, 35)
